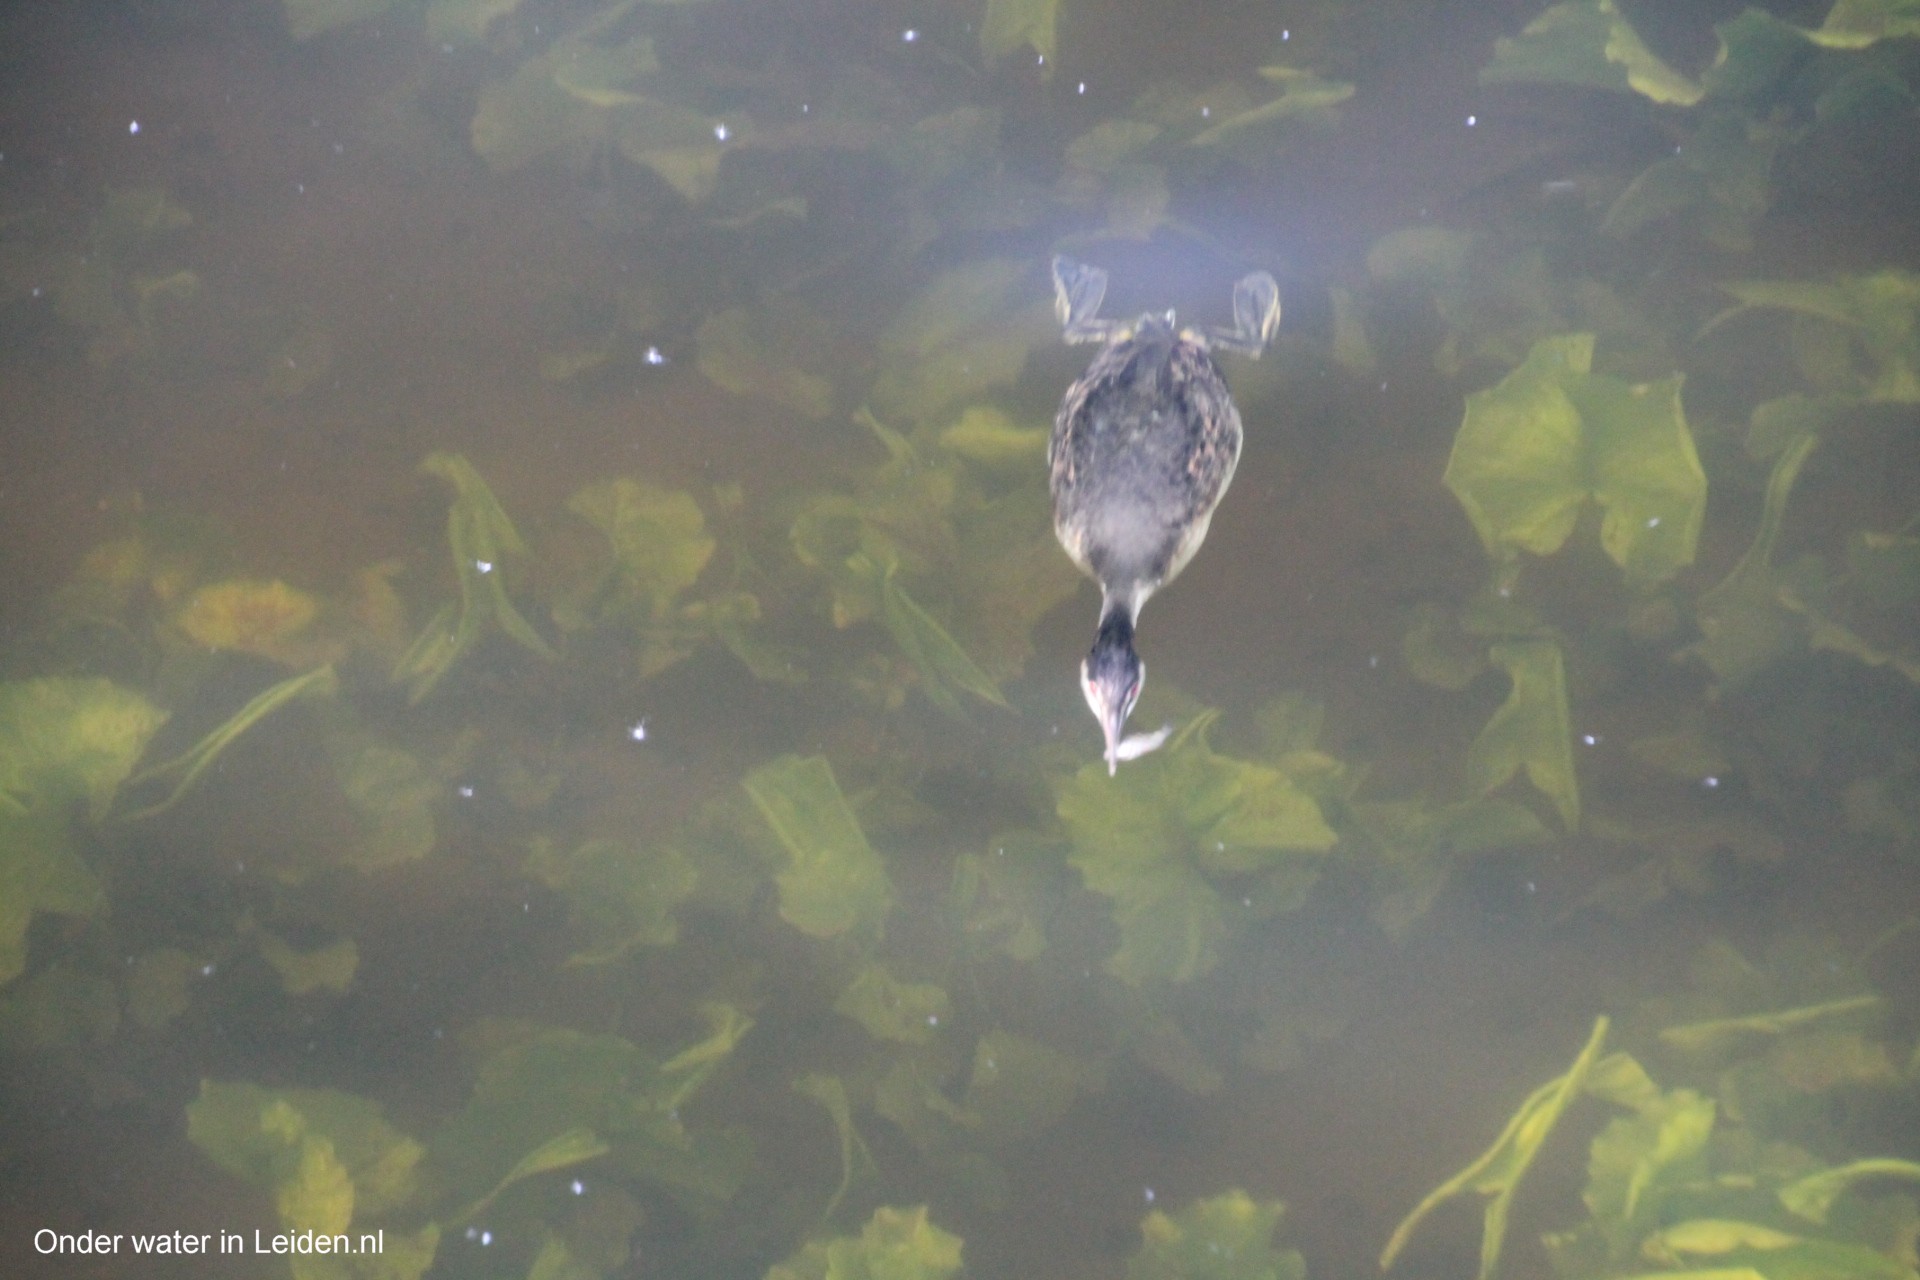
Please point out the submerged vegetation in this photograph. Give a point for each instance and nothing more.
(811, 1014)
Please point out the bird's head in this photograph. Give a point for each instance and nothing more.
(1111, 677)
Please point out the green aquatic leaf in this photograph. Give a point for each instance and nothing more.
(1744, 627)
(1008, 25)
(1110, 144)
(1663, 1141)
(465, 21)
(1700, 1037)
(1813, 1196)
(966, 333)
(1305, 99)
(1005, 897)
(525, 116)
(265, 1136)
(557, 1093)
(481, 537)
(896, 1244)
(857, 1165)
(1881, 311)
(658, 536)
(393, 795)
(1532, 450)
(1223, 1237)
(327, 968)
(1855, 24)
(309, 18)
(604, 75)
(905, 1012)
(39, 871)
(1498, 1171)
(1590, 43)
(1722, 175)
(683, 147)
(1420, 846)
(562, 1151)
(67, 738)
(1020, 1087)
(1145, 839)
(742, 350)
(833, 881)
(1531, 730)
(987, 436)
(944, 667)
(189, 765)
(620, 894)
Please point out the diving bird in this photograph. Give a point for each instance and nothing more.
(1142, 451)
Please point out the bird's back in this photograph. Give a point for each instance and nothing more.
(1142, 451)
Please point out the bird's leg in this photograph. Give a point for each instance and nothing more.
(1256, 317)
(1077, 292)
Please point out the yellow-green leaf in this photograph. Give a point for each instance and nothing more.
(906, 1012)
(1531, 730)
(328, 968)
(1588, 42)
(1533, 449)
(620, 894)
(1224, 1237)
(1499, 1169)
(833, 881)
(1009, 24)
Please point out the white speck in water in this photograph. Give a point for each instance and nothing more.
(638, 730)
(484, 566)
(1206, 113)
(1373, 660)
(339, 148)
(1149, 1192)
(910, 35)
(1591, 739)
(133, 126)
(933, 1019)
(1039, 59)
(300, 188)
(1506, 593)
(1532, 887)
(655, 356)
(1285, 35)
(579, 1187)
(206, 970)
(1472, 121)
(1653, 522)
(720, 132)
(1081, 87)
(466, 793)
(805, 108)
(1709, 782)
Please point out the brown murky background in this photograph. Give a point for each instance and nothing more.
(332, 188)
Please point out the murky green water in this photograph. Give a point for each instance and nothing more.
(538, 712)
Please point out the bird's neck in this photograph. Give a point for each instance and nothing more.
(1116, 628)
